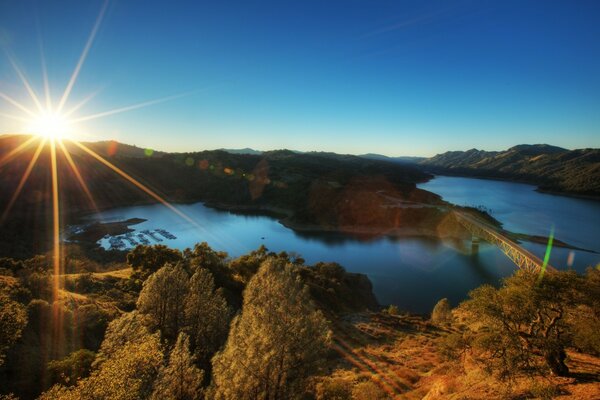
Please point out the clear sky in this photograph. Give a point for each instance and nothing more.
(351, 76)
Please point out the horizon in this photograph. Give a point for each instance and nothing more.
(414, 79)
(307, 151)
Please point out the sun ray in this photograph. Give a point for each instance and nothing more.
(28, 87)
(81, 103)
(82, 58)
(139, 185)
(23, 180)
(128, 108)
(75, 170)
(47, 94)
(55, 218)
(15, 117)
(17, 104)
(371, 367)
(16, 150)
(358, 362)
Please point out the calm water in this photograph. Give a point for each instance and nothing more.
(411, 273)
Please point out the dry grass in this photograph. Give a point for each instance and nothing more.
(124, 273)
(400, 354)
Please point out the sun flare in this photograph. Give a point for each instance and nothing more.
(49, 125)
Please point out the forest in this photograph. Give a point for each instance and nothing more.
(194, 324)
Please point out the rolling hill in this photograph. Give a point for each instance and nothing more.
(551, 168)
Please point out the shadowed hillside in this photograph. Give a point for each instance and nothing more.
(553, 169)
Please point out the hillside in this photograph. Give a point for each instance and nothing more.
(551, 168)
(310, 190)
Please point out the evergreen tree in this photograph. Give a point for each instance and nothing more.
(207, 315)
(442, 312)
(275, 343)
(13, 319)
(163, 299)
(180, 379)
(128, 374)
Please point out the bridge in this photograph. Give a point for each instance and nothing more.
(480, 229)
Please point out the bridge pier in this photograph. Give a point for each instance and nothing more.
(474, 245)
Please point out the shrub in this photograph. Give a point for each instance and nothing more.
(442, 313)
(334, 389)
(368, 390)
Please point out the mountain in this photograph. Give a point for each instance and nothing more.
(551, 168)
(245, 150)
(401, 159)
(110, 148)
(325, 190)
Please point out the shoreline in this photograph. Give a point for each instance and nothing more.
(349, 232)
(537, 187)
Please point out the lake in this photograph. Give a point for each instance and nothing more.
(412, 273)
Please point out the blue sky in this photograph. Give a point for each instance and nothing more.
(390, 77)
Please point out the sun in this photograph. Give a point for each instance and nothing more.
(49, 125)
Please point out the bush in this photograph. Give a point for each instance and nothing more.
(71, 368)
(334, 389)
(442, 313)
(392, 310)
(368, 390)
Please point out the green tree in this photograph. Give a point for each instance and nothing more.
(128, 374)
(163, 300)
(71, 368)
(13, 319)
(523, 325)
(207, 315)
(180, 379)
(146, 260)
(275, 343)
(585, 321)
(129, 328)
(246, 265)
(203, 256)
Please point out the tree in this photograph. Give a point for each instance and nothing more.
(148, 259)
(246, 265)
(129, 328)
(163, 299)
(128, 374)
(180, 379)
(71, 368)
(585, 322)
(275, 343)
(523, 326)
(13, 319)
(442, 312)
(207, 315)
(203, 256)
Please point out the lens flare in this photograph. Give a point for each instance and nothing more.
(49, 125)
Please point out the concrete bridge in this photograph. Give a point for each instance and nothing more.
(480, 229)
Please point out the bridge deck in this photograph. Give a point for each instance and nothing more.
(523, 258)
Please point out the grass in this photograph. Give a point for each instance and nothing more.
(400, 354)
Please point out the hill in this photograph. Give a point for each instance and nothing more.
(312, 191)
(245, 150)
(400, 159)
(110, 148)
(551, 168)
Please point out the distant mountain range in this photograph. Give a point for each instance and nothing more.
(551, 168)
(370, 156)
(245, 150)
(400, 159)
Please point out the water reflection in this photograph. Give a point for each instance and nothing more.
(413, 273)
